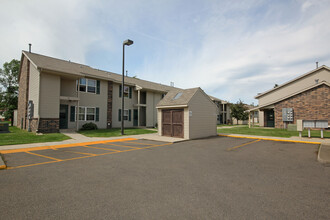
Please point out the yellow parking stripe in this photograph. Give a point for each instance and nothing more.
(118, 145)
(269, 139)
(52, 158)
(63, 146)
(75, 158)
(233, 148)
(76, 152)
(101, 148)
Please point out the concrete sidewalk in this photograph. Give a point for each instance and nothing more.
(78, 138)
(324, 153)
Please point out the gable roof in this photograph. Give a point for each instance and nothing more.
(46, 63)
(181, 98)
(289, 96)
(292, 81)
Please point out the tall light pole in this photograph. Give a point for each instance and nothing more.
(127, 42)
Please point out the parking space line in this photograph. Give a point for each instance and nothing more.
(76, 158)
(118, 145)
(52, 158)
(63, 146)
(242, 145)
(100, 148)
(138, 143)
(76, 152)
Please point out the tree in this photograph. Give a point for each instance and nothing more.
(238, 111)
(9, 81)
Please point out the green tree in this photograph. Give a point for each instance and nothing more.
(9, 82)
(238, 111)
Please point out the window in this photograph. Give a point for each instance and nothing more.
(125, 115)
(87, 114)
(82, 86)
(82, 111)
(90, 114)
(91, 85)
(177, 96)
(126, 92)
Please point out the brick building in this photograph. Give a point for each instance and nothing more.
(307, 97)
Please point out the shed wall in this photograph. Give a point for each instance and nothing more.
(203, 121)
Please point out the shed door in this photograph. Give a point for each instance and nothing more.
(172, 123)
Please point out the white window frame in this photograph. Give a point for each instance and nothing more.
(126, 91)
(125, 114)
(85, 113)
(85, 85)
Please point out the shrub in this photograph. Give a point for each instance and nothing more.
(89, 126)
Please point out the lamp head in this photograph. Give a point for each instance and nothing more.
(128, 42)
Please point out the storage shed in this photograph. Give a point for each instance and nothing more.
(188, 114)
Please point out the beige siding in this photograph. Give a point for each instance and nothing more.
(159, 113)
(186, 134)
(34, 89)
(296, 86)
(203, 122)
(68, 87)
(49, 95)
(116, 105)
(152, 100)
(95, 100)
(261, 119)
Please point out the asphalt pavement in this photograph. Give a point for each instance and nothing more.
(215, 178)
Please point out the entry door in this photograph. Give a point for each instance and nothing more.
(172, 123)
(64, 116)
(135, 118)
(270, 118)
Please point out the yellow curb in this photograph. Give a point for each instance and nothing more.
(2, 167)
(63, 146)
(270, 139)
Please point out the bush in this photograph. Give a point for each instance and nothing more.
(89, 126)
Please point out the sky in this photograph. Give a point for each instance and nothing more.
(232, 49)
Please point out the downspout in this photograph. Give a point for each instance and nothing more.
(39, 101)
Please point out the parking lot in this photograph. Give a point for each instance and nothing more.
(215, 178)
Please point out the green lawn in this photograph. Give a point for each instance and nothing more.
(276, 132)
(18, 136)
(114, 132)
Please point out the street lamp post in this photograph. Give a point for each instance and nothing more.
(127, 43)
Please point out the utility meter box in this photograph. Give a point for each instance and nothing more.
(300, 125)
(309, 124)
(287, 114)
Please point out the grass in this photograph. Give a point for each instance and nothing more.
(276, 132)
(18, 136)
(114, 132)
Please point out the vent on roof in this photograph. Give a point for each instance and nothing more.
(177, 96)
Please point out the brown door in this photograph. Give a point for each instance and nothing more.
(172, 123)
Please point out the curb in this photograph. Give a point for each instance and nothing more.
(269, 139)
(319, 156)
(2, 163)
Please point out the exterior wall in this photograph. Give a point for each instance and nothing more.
(152, 100)
(116, 105)
(23, 93)
(95, 100)
(313, 104)
(49, 95)
(203, 122)
(68, 87)
(322, 75)
(34, 89)
(159, 121)
(109, 104)
(186, 123)
(261, 118)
